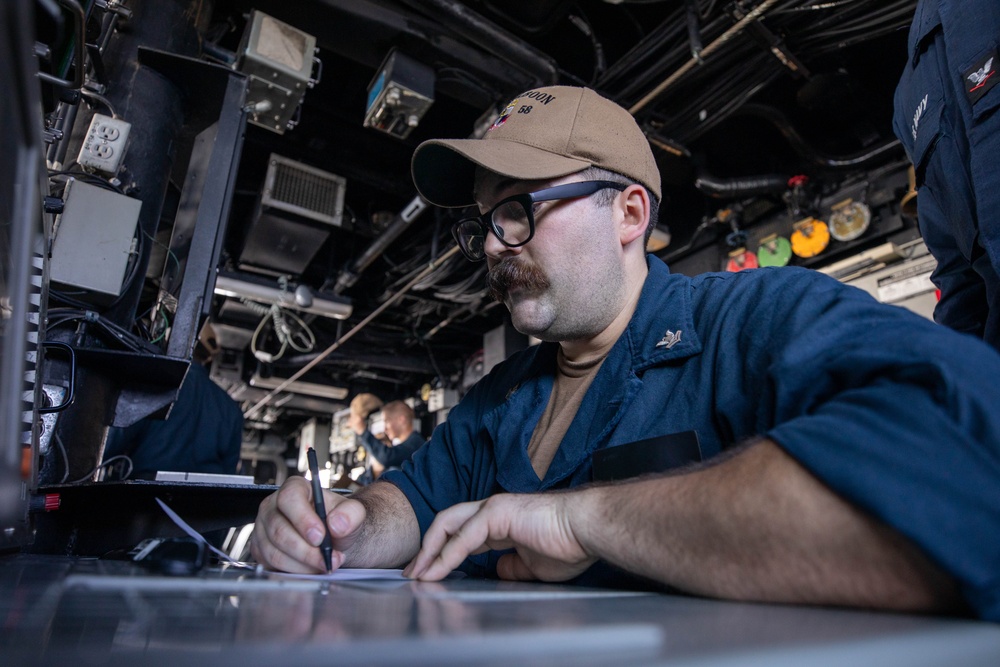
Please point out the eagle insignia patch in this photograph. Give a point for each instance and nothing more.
(981, 77)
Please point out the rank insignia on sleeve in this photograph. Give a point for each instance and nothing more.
(981, 77)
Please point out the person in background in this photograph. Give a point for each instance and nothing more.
(769, 435)
(203, 432)
(947, 116)
(398, 418)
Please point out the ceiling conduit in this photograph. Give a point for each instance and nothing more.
(756, 13)
(802, 147)
(491, 37)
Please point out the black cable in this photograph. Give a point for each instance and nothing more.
(459, 75)
(676, 253)
(86, 177)
(430, 355)
(170, 253)
(87, 313)
(65, 456)
(583, 24)
(654, 72)
(814, 28)
(694, 30)
(65, 298)
(133, 270)
(91, 95)
(60, 316)
(867, 23)
(566, 75)
(103, 464)
(665, 33)
(828, 4)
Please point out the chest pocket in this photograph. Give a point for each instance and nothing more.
(920, 96)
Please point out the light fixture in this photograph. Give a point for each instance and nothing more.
(298, 297)
(299, 387)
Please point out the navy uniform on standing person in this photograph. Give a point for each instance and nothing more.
(397, 418)
(947, 115)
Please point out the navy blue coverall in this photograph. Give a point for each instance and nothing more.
(947, 115)
(893, 412)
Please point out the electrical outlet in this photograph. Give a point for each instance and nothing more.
(104, 146)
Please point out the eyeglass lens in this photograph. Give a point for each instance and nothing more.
(511, 220)
(471, 237)
(511, 224)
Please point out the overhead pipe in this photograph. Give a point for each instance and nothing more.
(754, 14)
(489, 36)
(802, 147)
(390, 362)
(348, 277)
(744, 186)
(694, 31)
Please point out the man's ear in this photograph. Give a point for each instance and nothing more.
(634, 202)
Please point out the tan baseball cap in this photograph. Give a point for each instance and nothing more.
(543, 133)
(365, 404)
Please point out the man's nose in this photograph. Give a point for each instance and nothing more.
(494, 248)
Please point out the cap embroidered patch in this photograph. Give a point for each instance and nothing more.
(981, 77)
(505, 115)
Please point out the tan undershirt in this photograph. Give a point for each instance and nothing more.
(572, 380)
(574, 374)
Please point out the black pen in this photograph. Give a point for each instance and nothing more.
(326, 546)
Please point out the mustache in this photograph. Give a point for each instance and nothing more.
(510, 274)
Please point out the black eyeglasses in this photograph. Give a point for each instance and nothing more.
(513, 219)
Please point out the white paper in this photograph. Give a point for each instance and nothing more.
(346, 574)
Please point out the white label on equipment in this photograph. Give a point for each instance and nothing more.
(891, 290)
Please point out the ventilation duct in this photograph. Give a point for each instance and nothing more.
(297, 210)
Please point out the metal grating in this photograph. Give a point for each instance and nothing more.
(304, 190)
(32, 378)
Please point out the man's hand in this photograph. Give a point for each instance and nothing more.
(539, 527)
(288, 531)
(356, 423)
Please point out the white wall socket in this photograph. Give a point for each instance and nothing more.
(104, 146)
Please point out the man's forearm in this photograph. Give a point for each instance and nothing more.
(377, 449)
(390, 456)
(759, 527)
(390, 536)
